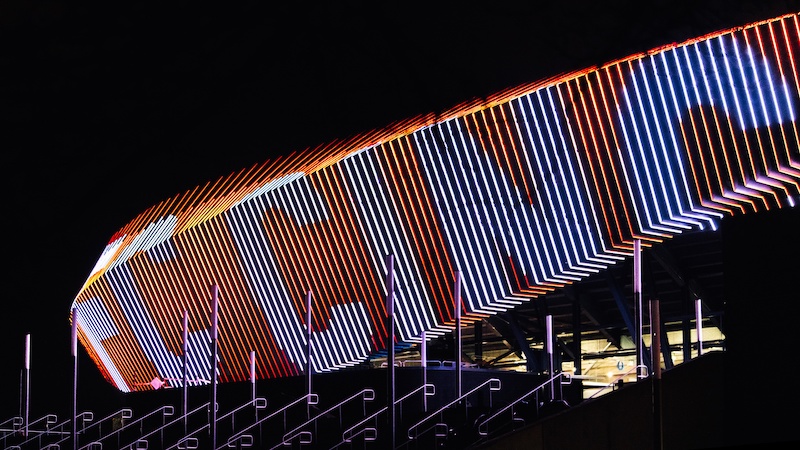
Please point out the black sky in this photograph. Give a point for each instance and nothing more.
(110, 107)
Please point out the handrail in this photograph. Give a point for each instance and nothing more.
(494, 385)
(16, 424)
(348, 434)
(124, 413)
(367, 394)
(312, 399)
(619, 377)
(165, 425)
(85, 416)
(33, 435)
(166, 410)
(48, 419)
(258, 403)
(15, 421)
(483, 426)
(418, 363)
(191, 433)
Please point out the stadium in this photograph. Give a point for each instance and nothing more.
(505, 237)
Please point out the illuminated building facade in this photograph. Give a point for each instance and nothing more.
(523, 193)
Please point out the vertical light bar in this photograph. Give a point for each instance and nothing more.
(390, 345)
(698, 312)
(74, 345)
(253, 375)
(423, 355)
(27, 402)
(308, 350)
(457, 312)
(549, 344)
(637, 304)
(214, 351)
(185, 375)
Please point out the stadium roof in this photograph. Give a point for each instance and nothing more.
(522, 194)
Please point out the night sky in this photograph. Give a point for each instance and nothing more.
(108, 108)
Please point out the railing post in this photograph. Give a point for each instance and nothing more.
(308, 354)
(185, 362)
(424, 357)
(549, 345)
(27, 400)
(74, 346)
(457, 311)
(214, 336)
(390, 350)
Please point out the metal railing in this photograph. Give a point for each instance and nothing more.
(34, 434)
(305, 436)
(308, 399)
(122, 414)
(165, 411)
(493, 385)
(371, 433)
(10, 427)
(190, 441)
(619, 377)
(143, 441)
(189, 437)
(84, 417)
(483, 426)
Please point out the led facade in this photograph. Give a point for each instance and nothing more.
(523, 193)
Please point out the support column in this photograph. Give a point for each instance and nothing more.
(576, 335)
(698, 312)
(637, 304)
(655, 363)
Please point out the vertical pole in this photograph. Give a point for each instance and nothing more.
(637, 300)
(655, 354)
(390, 348)
(424, 358)
(478, 327)
(548, 321)
(698, 312)
(27, 403)
(253, 376)
(74, 347)
(253, 387)
(308, 354)
(576, 335)
(457, 310)
(214, 336)
(185, 362)
(655, 337)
